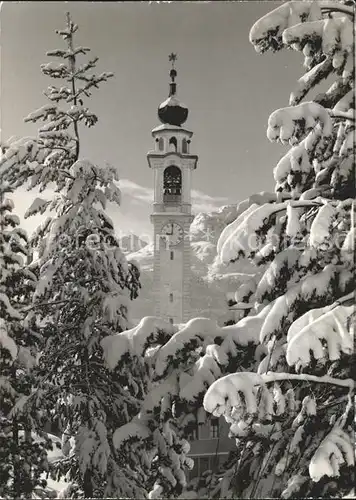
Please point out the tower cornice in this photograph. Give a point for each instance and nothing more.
(154, 154)
(156, 160)
(170, 128)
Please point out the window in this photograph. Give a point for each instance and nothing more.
(214, 428)
(171, 321)
(173, 144)
(193, 435)
(172, 255)
(172, 181)
(171, 297)
(214, 463)
(203, 465)
(184, 146)
(161, 144)
(195, 470)
(204, 431)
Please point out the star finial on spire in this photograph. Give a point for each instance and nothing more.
(172, 58)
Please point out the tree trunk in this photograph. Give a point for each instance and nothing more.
(87, 486)
(15, 464)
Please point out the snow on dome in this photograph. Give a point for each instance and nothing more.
(172, 101)
(172, 111)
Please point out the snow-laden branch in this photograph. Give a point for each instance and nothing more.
(224, 394)
(291, 123)
(344, 115)
(327, 6)
(240, 237)
(305, 377)
(335, 450)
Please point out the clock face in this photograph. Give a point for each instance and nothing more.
(174, 232)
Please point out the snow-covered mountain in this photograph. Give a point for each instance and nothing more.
(130, 243)
(211, 282)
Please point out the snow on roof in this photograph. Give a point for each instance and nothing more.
(168, 126)
(172, 101)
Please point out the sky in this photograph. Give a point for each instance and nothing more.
(230, 91)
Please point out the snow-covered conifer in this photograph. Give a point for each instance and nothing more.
(294, 418)
(22, 460)
(84, 283)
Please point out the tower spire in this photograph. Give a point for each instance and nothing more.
(172, 111)
(172, 74)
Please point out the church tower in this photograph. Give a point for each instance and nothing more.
(172, 166)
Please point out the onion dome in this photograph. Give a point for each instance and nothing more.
(172, 111)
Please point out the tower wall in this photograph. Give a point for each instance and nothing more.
(172, 267)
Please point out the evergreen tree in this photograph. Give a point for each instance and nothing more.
(23, 460)
(84, 284)
(294, 418)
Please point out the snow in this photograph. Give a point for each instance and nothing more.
(275, 22)
(309, 405)
(25, 358)
(156, 492)
(38, 205)
(202, 332)
(133, 341)
(203, 328)
(310, 286)
(10, 311)
(172, 101)
(321, 227)
(293, 486)
(293, 222)
(286, 259)
(296, 440)
(225, 390)
(7, 342)
(313, 328)
(336, 34)
(206, 371)
(228, 234)
(351, 494)
(308, 80)
(283, 124)
(240, 236)
(245, 331)
(53, 487)
(168, 126)
(43, 111)
(335, 450)
(223, 396)
(133, 429)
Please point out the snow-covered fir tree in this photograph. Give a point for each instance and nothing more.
(294, 418)
(22, 460)
(84, 284)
